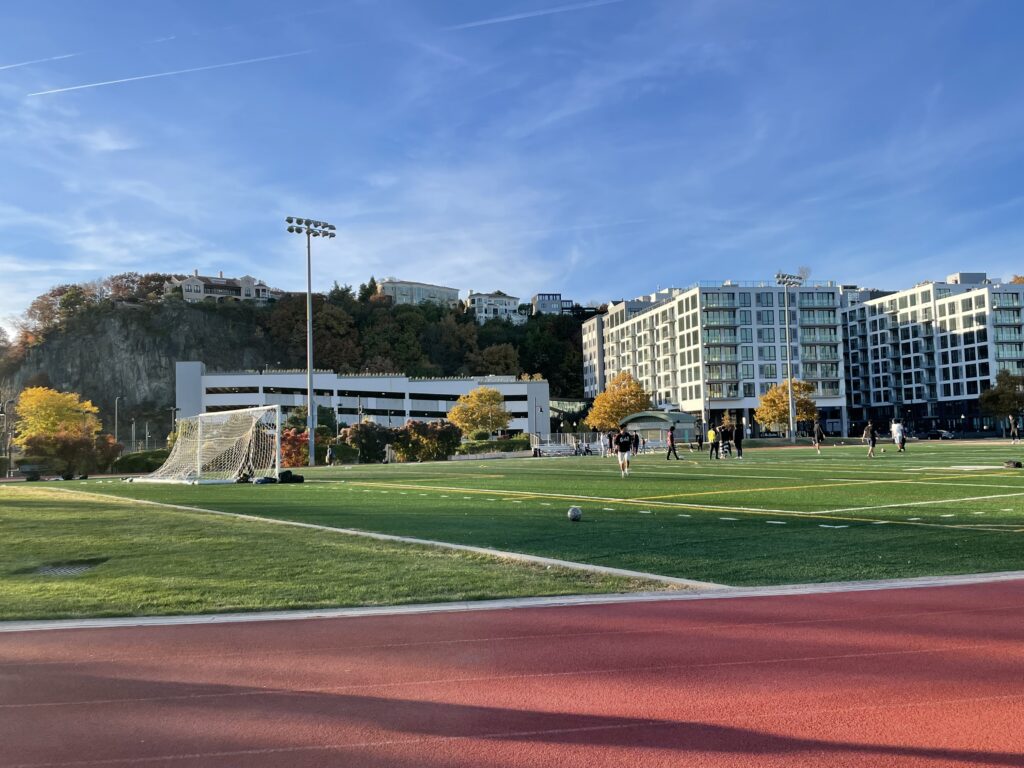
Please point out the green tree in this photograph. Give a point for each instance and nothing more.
(369, 439)
(496, 360)
(368, 290)
(480, 409)
(335, 339)
(423, 441)
(325, 417)
(1005, 398)
(623, 396)
(773, 410)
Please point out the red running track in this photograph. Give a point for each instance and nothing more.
(923, 677)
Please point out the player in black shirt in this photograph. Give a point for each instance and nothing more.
(624, 446)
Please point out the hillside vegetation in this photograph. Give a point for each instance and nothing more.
(121, 336)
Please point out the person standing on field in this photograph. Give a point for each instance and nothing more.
(1013, 429)
(700, 438)
(712, 442)
(671, 439)
(870, 438)
(624, 447)
(636, 443)
(737, 440)
(817, 436)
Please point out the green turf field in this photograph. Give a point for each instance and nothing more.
(778, 516)
(159, 562)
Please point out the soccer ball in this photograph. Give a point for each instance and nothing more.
(575, 514)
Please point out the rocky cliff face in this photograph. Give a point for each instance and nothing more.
(130, 350)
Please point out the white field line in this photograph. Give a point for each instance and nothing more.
(922, 503)
(680, 505)
(785, 590)
(533, 559)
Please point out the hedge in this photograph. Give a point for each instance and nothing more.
(508, 445)
(145, 461)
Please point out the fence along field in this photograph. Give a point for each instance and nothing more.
(778, 516)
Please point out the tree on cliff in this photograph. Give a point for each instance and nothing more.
(368, 290)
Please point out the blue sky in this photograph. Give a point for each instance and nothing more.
(600, 149)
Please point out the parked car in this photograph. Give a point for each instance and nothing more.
(938, 434)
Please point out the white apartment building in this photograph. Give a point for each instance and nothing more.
(717, 346)
(550, 304)
(407, 292)
(385, 399)
(196, 287)
(925, 354)
(489, 306)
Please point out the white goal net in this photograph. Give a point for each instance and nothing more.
(224, 447)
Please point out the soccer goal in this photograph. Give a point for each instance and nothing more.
(224, 447)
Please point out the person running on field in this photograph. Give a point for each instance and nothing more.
(737, 440)
(1013, 429)
(712, 442)
(818, 436)
(624, 447)
(870, 438)
(670, 438)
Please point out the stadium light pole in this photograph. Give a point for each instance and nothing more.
(787, 282)
(116, 401)
(310, 229)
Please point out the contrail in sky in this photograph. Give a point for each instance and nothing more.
(38, 61)
(533, 14)
(466, 25)
(175, 72)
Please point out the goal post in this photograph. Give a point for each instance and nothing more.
(224, 447)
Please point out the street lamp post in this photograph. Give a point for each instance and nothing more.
(787, 282)
(310, 229)
(135, 445)
(8, 411)
(174, 420)
(116, 401)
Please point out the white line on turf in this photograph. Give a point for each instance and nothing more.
(570, 564)
(919, 503)
(774, 522)
(920, 582)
